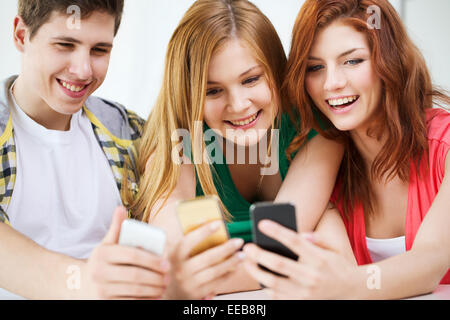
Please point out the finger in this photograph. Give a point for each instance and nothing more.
(123, 255)
(320, 241)
(297, 271)
(126, 290)
(193, 238)
(133, 275)
(210, 289)
(213, 256)
(270, 280)
(112, 236)
(219, 270)
(273, 261)
(282, 234)
(299, 243)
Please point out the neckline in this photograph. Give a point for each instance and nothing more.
(407, 234)
(385, 240)
(227, 179)
(35, 129)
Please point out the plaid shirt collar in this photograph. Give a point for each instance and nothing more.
(118, 151)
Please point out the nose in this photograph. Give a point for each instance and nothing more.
(335, 80)
(238, 101)
(81, 65)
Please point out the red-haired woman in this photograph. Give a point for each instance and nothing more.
(353, 62)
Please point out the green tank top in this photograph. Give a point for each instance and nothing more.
(236, 204)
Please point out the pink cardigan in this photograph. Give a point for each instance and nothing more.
(420, 195)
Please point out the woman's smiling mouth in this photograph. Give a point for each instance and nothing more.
(246, 122)
(342, 104)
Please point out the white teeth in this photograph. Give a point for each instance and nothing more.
(71, 87)
(243, 123)
(338, 102)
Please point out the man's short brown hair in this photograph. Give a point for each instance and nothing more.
(36, 13)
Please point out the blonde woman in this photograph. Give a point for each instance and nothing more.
(224, 68)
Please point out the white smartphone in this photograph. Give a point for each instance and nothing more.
(142, 235)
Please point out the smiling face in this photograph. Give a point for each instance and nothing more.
(239, 102)
(62, 67)
(341, 79)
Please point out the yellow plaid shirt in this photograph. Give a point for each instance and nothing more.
(115, 128)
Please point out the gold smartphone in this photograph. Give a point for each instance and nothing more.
(194, 213)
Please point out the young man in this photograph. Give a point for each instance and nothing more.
(63, 155)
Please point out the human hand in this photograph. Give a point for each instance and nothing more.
(122, 272)
(320, 273)
(200, 276)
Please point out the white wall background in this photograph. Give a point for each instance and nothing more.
(138, 57)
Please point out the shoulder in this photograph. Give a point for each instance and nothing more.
(118, 120)
(186, 179)
(438, 124)
(5, 102)
(288, 125)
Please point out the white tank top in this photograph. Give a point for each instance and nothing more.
(381, 249)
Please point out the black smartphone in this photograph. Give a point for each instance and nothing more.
(283, 214)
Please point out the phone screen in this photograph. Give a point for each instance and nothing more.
(283, 214)
(193, 214)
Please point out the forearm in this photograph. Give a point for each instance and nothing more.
(310, 181)
(33, 272)
(331, 229)
(167, 220)
(413, 273)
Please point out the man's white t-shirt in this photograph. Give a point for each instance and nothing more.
(65, 193)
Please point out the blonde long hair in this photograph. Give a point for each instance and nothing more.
(206, 26)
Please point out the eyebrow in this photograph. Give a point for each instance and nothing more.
(241, 75)
(341, 55)
(72, 40)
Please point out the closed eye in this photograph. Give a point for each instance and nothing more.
(314, 68)
(251, 80)
(65, 45)
(213, 92)
(353, 62)
(100, 50)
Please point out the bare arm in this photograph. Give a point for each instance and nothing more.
(112, 271)
(423, 267)
(31, 271)
(310, 180)
(166, 219)
(325, 273)
(331, 229)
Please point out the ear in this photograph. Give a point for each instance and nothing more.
(20, 33)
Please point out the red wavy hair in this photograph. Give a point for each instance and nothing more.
(407, 91)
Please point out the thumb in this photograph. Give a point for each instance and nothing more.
(120, 215)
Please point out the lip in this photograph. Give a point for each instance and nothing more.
(342, 97)
(343, 109)
(71, 94)
(247, 126)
